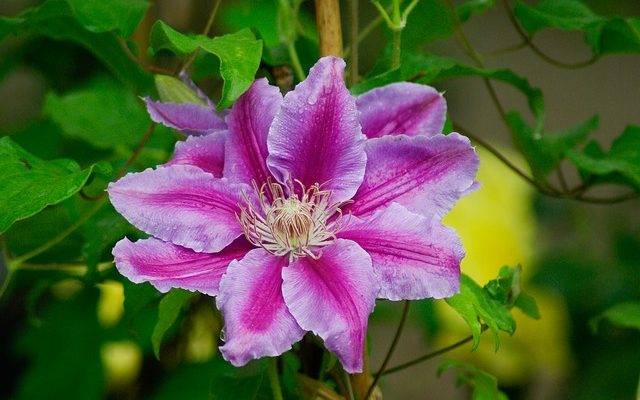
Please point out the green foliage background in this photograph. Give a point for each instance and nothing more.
(83, 126)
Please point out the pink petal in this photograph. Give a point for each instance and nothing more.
(257, 321)
(316, 136)
(402, 108)
(425, 174)
(205, 152)
(414, 257)
(249, 122)
(188, 118)
(181, 204)
(333, 297)
(167, 265)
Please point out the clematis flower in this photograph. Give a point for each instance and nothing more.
(319, 204)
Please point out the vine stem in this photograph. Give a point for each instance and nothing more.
(205, 32)
(295, 61)
(329, 29)
(366, 31)
(274, 380)
(394, 343)
(431, 355)
(528, 42)
(347, 384)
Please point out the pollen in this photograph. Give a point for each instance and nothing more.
(293, 221)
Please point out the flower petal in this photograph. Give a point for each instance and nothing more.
(205, 152)
(181, 204)
(424, 174)
(186, 79)
(402, 108)
(316, 136)
(166, 265)
(414, 257)
(188, 118)
(257, 321)
(333, 297)
(249, 122)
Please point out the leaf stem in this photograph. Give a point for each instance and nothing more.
(431, 355)
(295, 61)
(347, 382)
(394, 343)
(148, 67)
(16, 262)
(528, 42)
(205, 32)
(274, 379)
(366, 31)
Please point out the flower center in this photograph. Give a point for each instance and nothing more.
(296, 225)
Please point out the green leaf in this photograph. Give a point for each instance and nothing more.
(559, 14)
(544, 152)
(64, 351)
(485, 385)
(239, 55)
(473, 7)
(429, 69)
(29, 184)
(173, 90)
(104, 114)
(230, 382)
(617, 35)
(624, 315)
(506, 289)
(100, 233)
(99, 16)
(55, 19)
(168, 313)
(623, 158)
(476, 306)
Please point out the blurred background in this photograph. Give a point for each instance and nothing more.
(66, 333)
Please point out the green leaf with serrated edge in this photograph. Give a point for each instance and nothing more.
(173, 90)
(484, 385)
(230, 382)
(104, 114)
(476, 306)
(473, 7)
(122, 16)
(544, 152)
(168, 312)
(430, 69)
(55, 19)
(558, 14)
(623, 315)
(239, 55)
(622, 159)
(29, 184)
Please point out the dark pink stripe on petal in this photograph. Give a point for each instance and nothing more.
(188, 118)
(402, 108)
(181, 204)
(167, 265)
(205, 152)
(414, 257)
(333, 297)
(316, 135)
(425, 174)
(249, 122)
(257, 321)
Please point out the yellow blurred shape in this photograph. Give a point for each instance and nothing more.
(111, 303)
(204, 328)
(122, 361)
(497, 226)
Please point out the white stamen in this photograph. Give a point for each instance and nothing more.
(295, 226)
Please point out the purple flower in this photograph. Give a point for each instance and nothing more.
(317, 204)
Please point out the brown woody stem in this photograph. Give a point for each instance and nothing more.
(329, 29)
